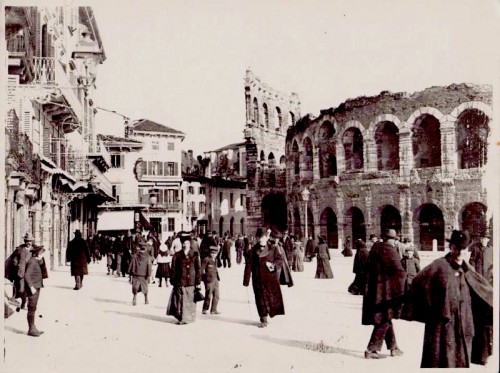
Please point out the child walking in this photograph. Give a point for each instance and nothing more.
(140, 270)
(210, 277)
(411, 266)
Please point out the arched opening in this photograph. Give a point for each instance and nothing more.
(256, 111)
(283, 161)
(353, 149)
(297, 225)
(274, 209)
(266, 115)
(221, 226)
(231, 227)
(328, 227)
(355, 219)
(295, 156)
(387, 141)
(242, 226)
(390, 218)
(426, 142)
(472, 131)
(308, 159)
(271, 160)
(279, 119)
(327, 152)
(474, 219)
(292, 119)
(431, 226)
(262, 156)
(310, 224)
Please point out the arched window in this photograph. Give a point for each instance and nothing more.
(292, 119)
(271, 160)
(353, 148)
(307, 163)
(256, 111)
(266, 115)
(472, 138)
(262, 156)
(426, 142)
(387, 140)
(279, 119)
(327, 151)
(295, 155)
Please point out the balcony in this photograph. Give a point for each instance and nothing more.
(172, 206)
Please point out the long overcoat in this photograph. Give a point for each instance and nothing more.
(383, 297)
(266, 286)
(445, 296)
(78, 255)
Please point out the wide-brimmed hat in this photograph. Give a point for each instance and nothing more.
(458, 239)
(390, 233)
(35, 250)
(28, 237)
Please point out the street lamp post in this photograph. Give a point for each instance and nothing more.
(87, 55)
(305, 197)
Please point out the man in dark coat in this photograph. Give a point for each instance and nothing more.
(359, 268)
(36, 271)
(140, 270)
(481, 259)
(449, 296)
(78, 255)
(287, 247)
(383, 298)
(15, 267)
(205, 245)
(226, 251)
(238, 245)
(260, 265)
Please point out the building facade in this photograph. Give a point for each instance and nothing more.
(415, 163)
(54, 164)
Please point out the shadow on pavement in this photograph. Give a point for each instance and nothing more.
(231, 320)
(104, 300)
(60, 287)
(163, 319)
(312, 346)
(14, 330)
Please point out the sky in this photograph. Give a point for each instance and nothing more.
(182, 63)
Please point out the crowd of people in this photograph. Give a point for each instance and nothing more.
(452, 295)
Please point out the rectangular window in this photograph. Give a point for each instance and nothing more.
(231, 200)
(220, 197)
(190, 190)
(171, 224)
(172, 169)
(202, 207)
(242, 199)
(170, 146)
(202, 190)
(155, 145)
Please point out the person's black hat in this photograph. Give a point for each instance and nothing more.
(184, 236)
(390, 233)
(458, 239)
(259, 233)
(359, 243)
(372, 236)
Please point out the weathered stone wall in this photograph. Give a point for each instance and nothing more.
(412, 191)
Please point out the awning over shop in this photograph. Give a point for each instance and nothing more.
(115, 220)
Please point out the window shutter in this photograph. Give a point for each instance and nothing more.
(176, 169)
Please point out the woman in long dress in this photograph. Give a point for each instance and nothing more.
(185, 275)
(323, 268)
(298, 255)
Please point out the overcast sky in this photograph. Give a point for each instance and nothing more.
(182, 63)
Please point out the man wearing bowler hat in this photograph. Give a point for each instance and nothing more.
(450, 297)
(383, 298)
(78, 255)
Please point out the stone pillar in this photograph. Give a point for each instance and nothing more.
(340, 157)
(370, 154)
(315, 164)
(406, 211)
(405, 155)
(339, 202)
(448, 151)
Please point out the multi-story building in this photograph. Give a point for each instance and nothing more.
(146, 177)
(54, 164)
(415, 163)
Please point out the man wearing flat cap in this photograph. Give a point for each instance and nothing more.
(15, 267)
(34, 275)
(383, 297)
(210, 277)
(449, 296)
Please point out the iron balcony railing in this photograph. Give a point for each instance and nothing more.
(17, 44)
(44, 70)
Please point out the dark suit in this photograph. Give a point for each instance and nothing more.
(210, 276)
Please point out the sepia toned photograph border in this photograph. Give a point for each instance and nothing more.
(198, 65)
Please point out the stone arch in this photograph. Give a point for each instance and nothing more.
(472, 131)
(426, 141)
(292, 118)
(255, 111)
(431, 224)
(283, 161)
(352, 143)
(425, 110)
(354, 220)
(390, 218)
(370, 132)
(328, 227)
(478, 105)
(326, 131)
(266, 115)
(262, 156)
(274, 211)
(472, 218)
(387, 145)
(279, 119)
(271, 160)
(295, 157)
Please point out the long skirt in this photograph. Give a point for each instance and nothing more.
(181, 304)
(323, 269)
(298, 261)
(358, 285)
(163, 270)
